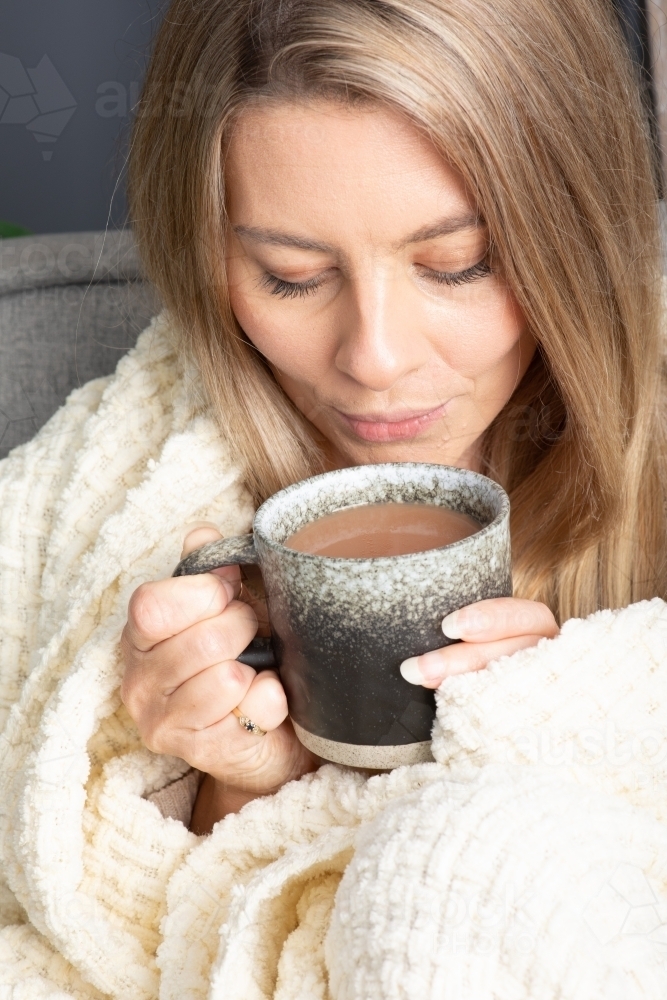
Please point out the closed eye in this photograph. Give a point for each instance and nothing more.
(452, 278)
(298, 289)
(290, 289)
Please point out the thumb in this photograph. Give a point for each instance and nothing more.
(200, 533)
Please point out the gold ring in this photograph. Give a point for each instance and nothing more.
(248, 724)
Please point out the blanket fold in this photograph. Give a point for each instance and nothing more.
(331, 888)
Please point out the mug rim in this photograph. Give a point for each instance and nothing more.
(285, 549)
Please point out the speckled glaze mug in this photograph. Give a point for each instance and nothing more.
(342, 627)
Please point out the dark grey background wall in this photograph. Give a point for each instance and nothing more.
(70, 72)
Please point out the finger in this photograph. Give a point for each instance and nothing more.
(172, 662)
(208, 697)
(265, 702)
(162, 608)
(200, 533)
(500, 618)
(246, 761)
(432, 668)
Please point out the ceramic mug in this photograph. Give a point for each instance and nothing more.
(341, 627)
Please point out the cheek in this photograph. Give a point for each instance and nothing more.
(296, 351)
(278, 333)
(484, 333)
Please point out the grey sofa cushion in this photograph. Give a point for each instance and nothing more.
(71, 305)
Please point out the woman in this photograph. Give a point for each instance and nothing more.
(383, 230)
(434, 272)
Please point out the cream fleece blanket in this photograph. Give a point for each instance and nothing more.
(529, 862)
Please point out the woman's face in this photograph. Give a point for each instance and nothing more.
(357, 267)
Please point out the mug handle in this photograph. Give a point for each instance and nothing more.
(237, 551)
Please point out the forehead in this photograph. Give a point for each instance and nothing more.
(320, 164)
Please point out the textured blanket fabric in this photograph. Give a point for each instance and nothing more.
(529, 862)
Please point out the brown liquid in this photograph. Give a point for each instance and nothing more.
(382, 529)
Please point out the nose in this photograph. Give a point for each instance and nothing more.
(379, 340)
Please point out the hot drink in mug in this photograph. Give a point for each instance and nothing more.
(372, 530)
(360, 566)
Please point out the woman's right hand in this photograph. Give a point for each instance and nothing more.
(182, 680)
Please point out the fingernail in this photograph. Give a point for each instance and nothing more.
(449, 626)
(410, 671)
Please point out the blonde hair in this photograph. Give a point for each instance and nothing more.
(535, 104)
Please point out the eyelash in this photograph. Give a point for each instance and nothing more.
(299, 289)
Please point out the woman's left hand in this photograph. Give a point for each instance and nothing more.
(489, 629)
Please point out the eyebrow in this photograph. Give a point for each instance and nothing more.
(274, 237)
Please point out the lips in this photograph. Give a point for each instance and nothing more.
(385, 427)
